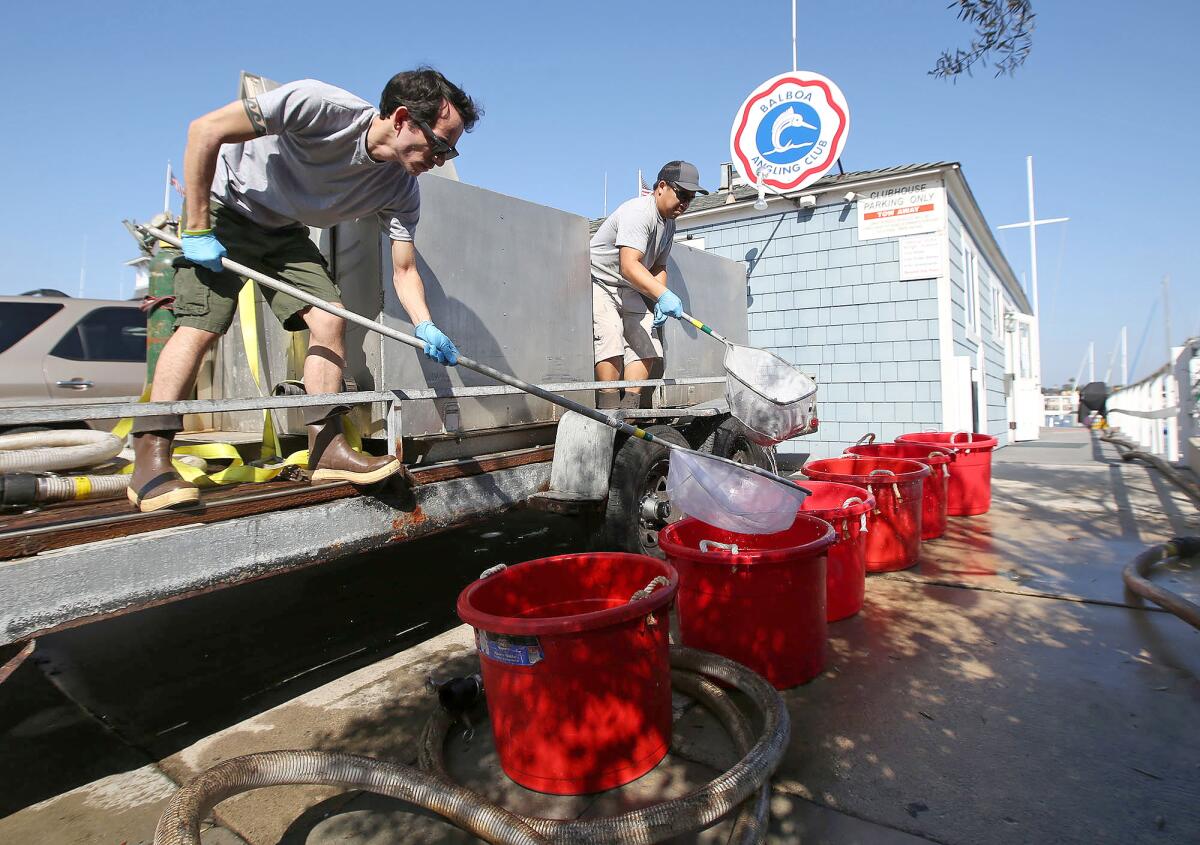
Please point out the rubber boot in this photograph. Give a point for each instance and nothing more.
(331, 459)
(632, 399)
(155, 484)
(608, 400)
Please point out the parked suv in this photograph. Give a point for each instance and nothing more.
(59, 348)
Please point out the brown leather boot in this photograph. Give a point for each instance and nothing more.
(155, 484)
(331, 459)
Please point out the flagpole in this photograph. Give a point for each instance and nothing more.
(639, 187)
(793, 36)
(167, 191)
(83, 266)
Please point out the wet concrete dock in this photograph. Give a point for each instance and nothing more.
(1006, 689)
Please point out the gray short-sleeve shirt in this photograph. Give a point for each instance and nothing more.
(636, 223)
(312, 166)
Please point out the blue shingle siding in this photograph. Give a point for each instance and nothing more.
(993, 416)
(992, 329)
(836, 307)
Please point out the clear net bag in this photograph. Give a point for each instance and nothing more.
(729, 497)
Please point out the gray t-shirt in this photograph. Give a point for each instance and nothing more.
(636, 223)
(313, 168)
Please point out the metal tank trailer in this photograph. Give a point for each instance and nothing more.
(509, 281)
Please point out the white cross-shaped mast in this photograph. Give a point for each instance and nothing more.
(1033, 223)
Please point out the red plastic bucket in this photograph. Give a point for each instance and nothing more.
(576, 674)
(846, 571)
(933, 514)
(894, 527)
(969, 491)
(762, 605)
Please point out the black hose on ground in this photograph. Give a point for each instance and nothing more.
(1136, 576)
(1129, 451)
(747, 781)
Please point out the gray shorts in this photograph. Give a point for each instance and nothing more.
(622, 325)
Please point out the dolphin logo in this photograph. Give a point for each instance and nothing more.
(789, 120)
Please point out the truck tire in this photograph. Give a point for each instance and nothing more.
(636, 489)
(731, 441)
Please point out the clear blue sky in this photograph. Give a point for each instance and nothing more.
(98, 96)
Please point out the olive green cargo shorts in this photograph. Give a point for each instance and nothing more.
(207, 300)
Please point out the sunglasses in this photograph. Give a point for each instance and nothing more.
(684, 196)
(440, 146)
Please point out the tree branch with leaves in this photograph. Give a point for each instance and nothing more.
(1003, 35)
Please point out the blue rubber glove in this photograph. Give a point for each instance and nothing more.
(437, 346)
(668, 306)
(200, 246)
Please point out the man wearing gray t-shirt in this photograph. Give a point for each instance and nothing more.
(629, 278)
(304, 154)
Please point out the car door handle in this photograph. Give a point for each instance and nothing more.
(74, 384)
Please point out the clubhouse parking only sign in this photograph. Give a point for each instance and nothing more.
(790, 130)
(905, 208)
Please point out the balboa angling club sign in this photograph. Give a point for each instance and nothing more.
(790, 131)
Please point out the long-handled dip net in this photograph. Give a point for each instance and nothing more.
(769, 396)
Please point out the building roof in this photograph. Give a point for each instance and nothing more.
(827, 182)
(748, 193)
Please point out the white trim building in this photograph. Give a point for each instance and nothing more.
(890, 289)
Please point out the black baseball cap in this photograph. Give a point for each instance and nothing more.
(681, 173)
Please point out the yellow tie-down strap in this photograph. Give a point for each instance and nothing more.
(238, 470)
(125, 425)
(248, 319)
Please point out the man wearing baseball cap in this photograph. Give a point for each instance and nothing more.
(630, 297)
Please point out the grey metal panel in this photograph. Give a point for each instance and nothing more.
(713, 289)
(508, 280)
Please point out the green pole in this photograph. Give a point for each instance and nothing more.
(161, 321)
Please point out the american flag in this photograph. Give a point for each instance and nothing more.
(178, 186)
(643, 188)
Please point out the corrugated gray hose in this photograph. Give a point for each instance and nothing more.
(56, 449)
(180, 822)
(432, 789)
(747, 779)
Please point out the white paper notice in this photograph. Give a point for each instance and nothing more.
(921, 256)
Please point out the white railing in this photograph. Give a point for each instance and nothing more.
(1159, 413)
